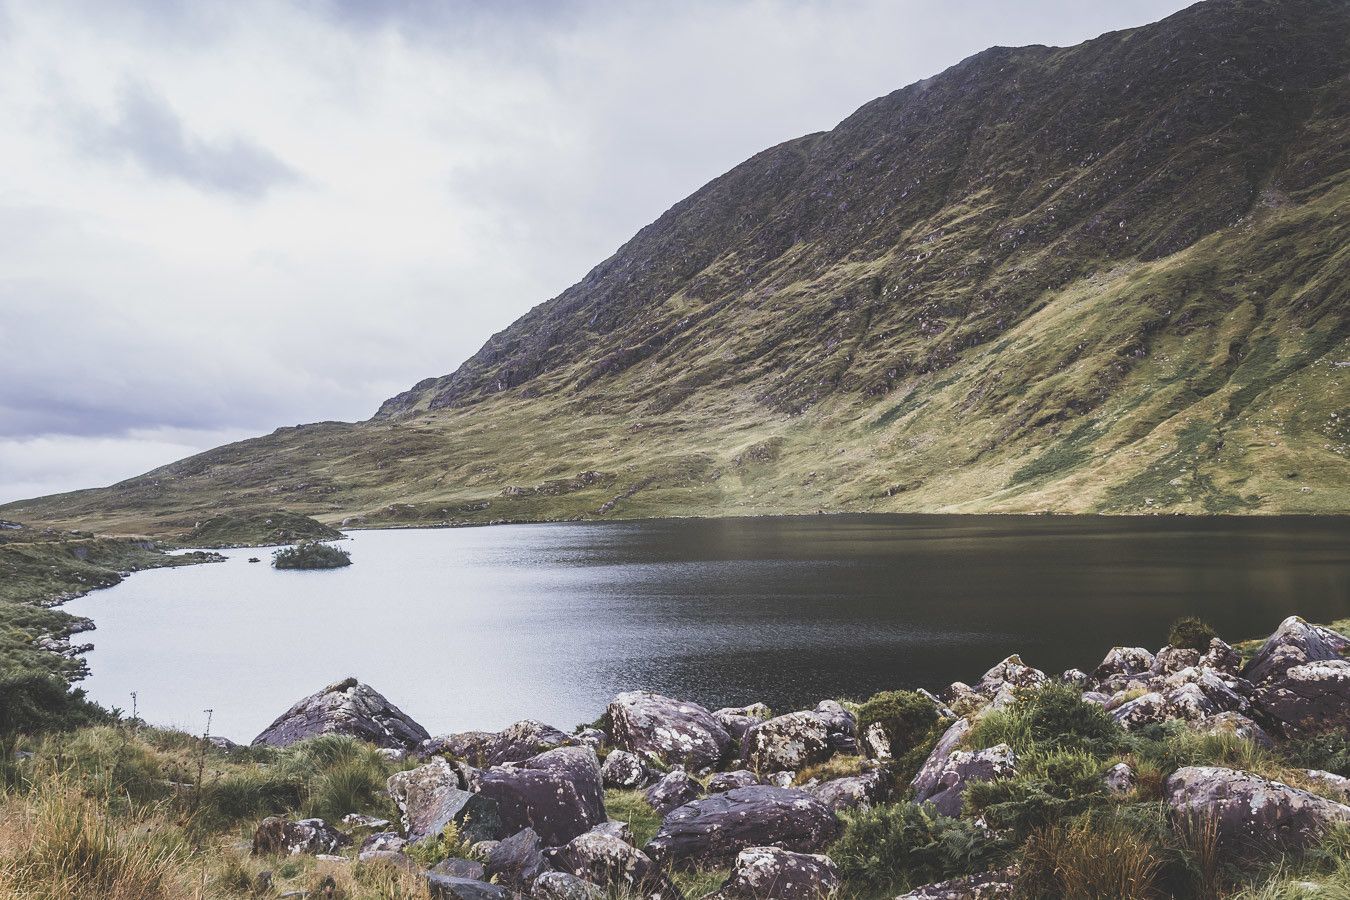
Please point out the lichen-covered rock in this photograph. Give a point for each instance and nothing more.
(716, 828)
(518, 860)
(564, 886)
(622, 769)
(676, 732)
(347, 707)
(738, 720)
(1294, 643)
(1250, 811)
(1237, 724)
(450, 887)
(1187, 703)
(431, 797)
(841, 726)
(384, 841)
(603, 859)
(557, 793)
(761, 872)
(463, 868)
(1221, 658)
(1308, 698)
(621, 830)
(985, 886)
(1331, 783)
(520, 741)
(925, 782)
(674, 789)
(1128, 661)
(592, 737)
(875, 743)
(312, 836)
(466, 745)
(963, 699)
(964, 767)
(1174, 659)
(851, 791)
(1076, 677)
(1143, 710)
(1119, 779)
(787, 743)
(727, 781)
(1224, 692)
(1012, 674)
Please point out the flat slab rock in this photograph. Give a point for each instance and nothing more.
(716, 828)
(451, 887)
(1251, 811)
(345, 707)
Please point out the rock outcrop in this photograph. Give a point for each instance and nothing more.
(346, 707)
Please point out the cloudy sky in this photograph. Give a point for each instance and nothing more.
(221, 217)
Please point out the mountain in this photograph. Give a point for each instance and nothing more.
(1113, 277)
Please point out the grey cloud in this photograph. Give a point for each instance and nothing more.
(148, 132)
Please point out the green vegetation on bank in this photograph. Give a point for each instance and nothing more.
(257, 530)
(311, 555)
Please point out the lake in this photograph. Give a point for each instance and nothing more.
(479, 627)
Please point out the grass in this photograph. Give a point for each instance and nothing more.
(631, 807)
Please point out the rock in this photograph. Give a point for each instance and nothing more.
(465, 745)
(943, 710)
(1140, 711)
(963, 699)
(1225, 693)
(462, 868)
(1294, 643)
(1307, 699)
(851, 792)
(677, 733)
(787, 743)
(1335, 784)
(1127, 661)
(524, 739)
(384, 842)
(621, 830)
(430, 798)
(726, 781)
(355, 823)
(926, 780)
(1221, 658)
(347, 707)
(518, 860)
(964, 767)
(738, 720)
(1250, 811)
(1188, 703)
(985, 886)
(557, 793)
(841, 726)
(482, 849)
(1076, 677)
(716, 828)
(1011, 673)
(674, 789)
(393, 857)
(781, 779)
(875, 744)
(1119, 779)
(1174, 659)
(449, 887)
(592, 737)
(564, 886)
(603, 859)
(277, 835)
(1235, 723)
(1096, 697)
(622, 769)
(771, 872)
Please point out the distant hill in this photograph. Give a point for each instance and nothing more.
(1113, 277)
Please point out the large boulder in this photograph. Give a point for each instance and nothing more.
(1250, 811)
(1010, 675)
(1294, 643)
(1123, 661)
(346, 707)
(557, 793)
(603, 858)
(1221, 658)
(925, 782)
(761, 872)
(564, 886)
(675, 789)
(312, 836)
(676, 732)
(851, 791)
(430, 797)
(787, 743)
(738, 720)
(716, 828)
(518, 860)
(1145, 709)
(1174, 659)
(518, 742)
(964, 767)
(1307, 698)
(622, 769)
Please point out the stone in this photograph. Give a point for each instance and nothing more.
(313, 836)
(524, 739)
(1188, 703)
(1076, 677)
(841, 726)
(852, 791)
(1250, 811)
(761, 872)
(787, 743)
(738, 720)
(782, 779)
(1123, 661)
(622, 769)
(1308, 698)
(1013, 674)
(1119, 779)
(384, 842)
(1174, 659)
(1235, 723)
(518, 860)
(1294, 643)
(964, 767)
(346, 707)
(716, 828)
(605, 860)
(726, 781)
(926, 779)
(465, 745)
(592, 737)
(449, 887)
(985, 886)
(674, 789)
(1224, 693)
(430, 797)
(1143, 710)
(392, 857)
(1331, 782)
(875, 743)
(1221, 658)
(462, 868)
(557, 793)
(676, 732)
(564, 886)
(1096, 697)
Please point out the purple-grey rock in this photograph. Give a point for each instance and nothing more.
(1249, 811)
(761, 872)
(676, 732)
(346, 707)
(716, 828)
(674, 789)
(557, 793)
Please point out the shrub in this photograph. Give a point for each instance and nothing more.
(906, 717)
(311, 555)
(37, 702)
(1050, 718)
(898, 846)
(1190, 633)
(448, 843)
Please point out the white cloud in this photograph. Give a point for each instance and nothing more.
(232, 216)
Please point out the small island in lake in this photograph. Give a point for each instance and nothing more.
(311, 555)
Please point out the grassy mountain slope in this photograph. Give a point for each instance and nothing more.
(1113, 277)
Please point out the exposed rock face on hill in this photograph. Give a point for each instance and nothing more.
(1110, 277)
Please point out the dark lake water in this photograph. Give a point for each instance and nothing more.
(479, 627)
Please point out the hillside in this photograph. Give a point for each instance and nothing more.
(1113, 278)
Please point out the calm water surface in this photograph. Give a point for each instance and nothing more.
(479, 627)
